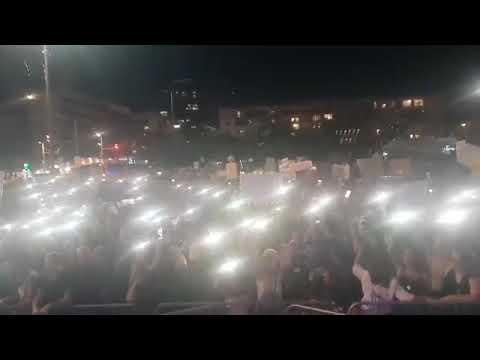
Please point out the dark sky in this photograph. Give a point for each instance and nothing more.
(135, 74)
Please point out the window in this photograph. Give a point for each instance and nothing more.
(241, 131)
(384, 106)
(341, 140)
(374, 104)
(316, 118)
(328, 116)
(418, 102)
(195, 107)
(407, 103)
(164, 113)
(295, 119)
(295, 126)
(188, 107)
(238, 114)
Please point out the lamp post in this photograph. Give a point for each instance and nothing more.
(47, 91)
(100, 136)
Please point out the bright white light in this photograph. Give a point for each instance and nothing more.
(403, 217)
(247, 222)
(135, 188)
(463, 124)
(430, 191)
(464, 195)
(26, 226)
(139, 198)
(72, 191)
(179, 186)
(158, 219)
(317, 221)
(98, 134)
(141, 246)
(218, 194)
(189, 212)
(189, 188)
(278, 209)
(148, 215)
(172, 180)
(236, 204)
(213, 238)
(229, 266)
(35, 196)
(159, 173)
(176, 126)
(120, 181)
(30, 97)
(57, 209)
(348, 193)
(46, 232)
(260, 224)
(452, 217)
(29, 186)
(381, 197)
(7, 227)
(282, 190)
(68, 169)
(319, 204)
(70, 225)
(204, 191)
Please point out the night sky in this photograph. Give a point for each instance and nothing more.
(134, 75)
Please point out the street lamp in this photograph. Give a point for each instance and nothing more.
(100, 136)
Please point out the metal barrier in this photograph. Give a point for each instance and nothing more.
(297, 309)
(166, 308)
(398, 308)
(212, 309)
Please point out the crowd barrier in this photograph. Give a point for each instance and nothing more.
(414, 309)
(297, 309)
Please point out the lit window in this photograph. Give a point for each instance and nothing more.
(163, 113)
(407, 103)
(384, 106)
(316, 118)
(295, 126)
(241, 131)
(378, 132)
(328, 116)
(418, 102)
(417, 136)
(374, 104)
(239, 114)
(188, 107)
(177, 126)
(341, 140)
(295, 119)
(411, 136)
(195, 107)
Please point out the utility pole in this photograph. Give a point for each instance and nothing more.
(47, 97)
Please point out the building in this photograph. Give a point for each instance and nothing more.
(74, 118)
(354, 127)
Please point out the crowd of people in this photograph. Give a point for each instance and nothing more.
(331, 260)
